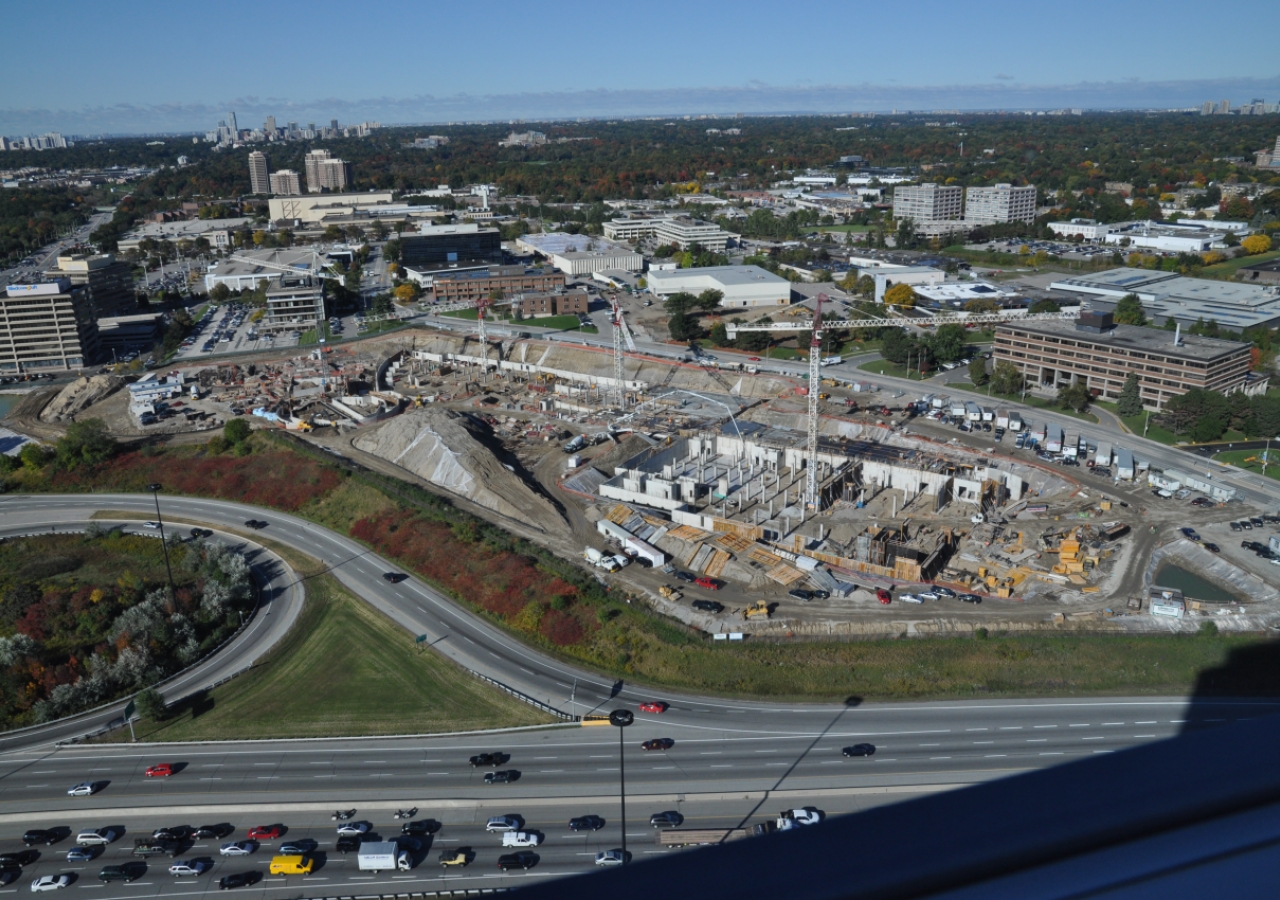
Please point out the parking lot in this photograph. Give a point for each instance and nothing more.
(229, 328)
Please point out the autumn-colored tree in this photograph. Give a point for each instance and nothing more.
(900, 295)
(406, 292)
(1256, 243)
(1212, 257)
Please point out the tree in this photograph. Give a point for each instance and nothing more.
(1006, 379)
(35, 456)
(682, 327)
(1129, 311)
(710, 299)
(391, 250)
(1074, 396)
(981, 305)
(679, 303)
(978, 373)
(151, 705)
(895, 344)
(1256, 243)
(236, 431)
(1129, 402)
(900, 295)
(947, 343)
(720, 335)
(406, 292)
(87, 443)
(220, 293)
(1044, 306)
(866, 286)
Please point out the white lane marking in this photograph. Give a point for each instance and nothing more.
(1093, 739)
(555, 771)
(1080, 725)
(996, 755)
(977, 729)
(980, 743)
(1010, 727)
(1144, 735)
(1051, 754)
(730, 766)
(1055, 726)
(939, 757)
(1112, 723)
(1152, 722)
(1037, 740)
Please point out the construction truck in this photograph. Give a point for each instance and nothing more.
(670, 593)
(757, 609)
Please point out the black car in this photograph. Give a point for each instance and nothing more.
(522, 860)
(710, 606)
(1235, 526)
(422, 826)
(1271, 520)
(506, 776)
(212, 831)
(488, 759)
(22, 858)
(970, 598)
(668, 819)
(800, 594)
(586, 823)
(1212, 548)
(238, 879)
(348, 844)
(942, 591)
(176, 833)
(38, 836)
(255, 524)
(1256, 522)
(860, 750)
(394, 577)
(684, 576)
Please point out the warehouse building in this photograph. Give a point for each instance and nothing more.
(1167, 295)
(581, 254)
(1093, 350)
(742, 286)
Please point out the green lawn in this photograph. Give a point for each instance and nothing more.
(1029, 400)
(1228, 269)
(1237, 458)
(893, 370)
(343, 669)
(857, 229)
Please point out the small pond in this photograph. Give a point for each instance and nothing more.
(1192, 585)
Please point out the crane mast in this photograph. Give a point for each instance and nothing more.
(815, 361)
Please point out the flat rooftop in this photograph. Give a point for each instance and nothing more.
(730, 276)
(1166, 294)
(1133, 337)
(558, 243)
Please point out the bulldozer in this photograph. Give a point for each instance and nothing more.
(759, 608)
(670, 593)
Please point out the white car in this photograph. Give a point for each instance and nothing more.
(150, 524)
(98, 836)
(610, 858)
(238, 848)
(187, 867)
(909, 598)
(502, 823)
(353, 829)
(977, 518)
(83, 789)
(50, 883)
(929, 595)
(807, 816)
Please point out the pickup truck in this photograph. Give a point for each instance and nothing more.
(145, 847)
(520, 839)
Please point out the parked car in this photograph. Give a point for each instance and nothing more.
(710, 606)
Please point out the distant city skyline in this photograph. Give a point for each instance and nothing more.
(670, 59)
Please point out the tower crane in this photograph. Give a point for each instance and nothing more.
(815, 361)
(482, 304)
(621, 334)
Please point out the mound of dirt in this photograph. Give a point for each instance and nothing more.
(80, 395)
(446, 449)
(616, 455)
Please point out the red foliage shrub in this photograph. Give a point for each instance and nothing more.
(561, 628)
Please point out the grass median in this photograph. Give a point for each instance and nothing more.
(343, 669)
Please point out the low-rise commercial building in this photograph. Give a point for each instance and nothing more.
(309, 210)
(742, 286)
(216, 231)
(253, 268)
(46, 326)
(1094, 351)
(1260, 273)
(1167, 295)
(568, 303)
(1085, 229)
(683, 231)
(1168, 237)
(581, 254)
(916, 276)
(489, 281)
(136, 332)
(295, 304)
(436, 245)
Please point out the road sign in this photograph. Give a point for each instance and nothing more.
(420, 639)
(130, 710)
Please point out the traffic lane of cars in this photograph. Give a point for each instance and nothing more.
(687, 764)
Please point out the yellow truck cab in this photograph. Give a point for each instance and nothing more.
(292, 865)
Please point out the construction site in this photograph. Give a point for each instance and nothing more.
(783, 510)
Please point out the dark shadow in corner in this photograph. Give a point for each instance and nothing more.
(1246, 686)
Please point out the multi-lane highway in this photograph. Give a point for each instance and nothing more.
(731, 761)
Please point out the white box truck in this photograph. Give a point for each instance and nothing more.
(379, 856)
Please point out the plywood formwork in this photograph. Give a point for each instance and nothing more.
(784, 574)
(763, 556)
(719, 559)
(732, 542)
(620, 514)
(728, 526)
(689, 533)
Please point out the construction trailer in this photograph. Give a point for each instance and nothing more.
(1053, 439)
(1102, 457)
(1124, 464)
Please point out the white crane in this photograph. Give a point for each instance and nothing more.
(815, 361)
(621, 334)
(957, 318)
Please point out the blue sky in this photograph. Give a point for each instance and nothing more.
(137, 66)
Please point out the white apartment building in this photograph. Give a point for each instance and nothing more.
(259, 182)
(934, 208)
(325, 172)
(1000, 203)
(683, 231)
(285, 182)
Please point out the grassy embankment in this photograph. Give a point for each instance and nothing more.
(1227, 270)
(1237, 458)
(560, 323)
(1029, 400)
(553, 605)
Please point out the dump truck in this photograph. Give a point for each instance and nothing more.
(759, 608)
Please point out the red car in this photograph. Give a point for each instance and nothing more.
(653, 706)
(658, 744)
(883, 596)
(164, 770)
(264, 832)
(709, 583)
(753, 358)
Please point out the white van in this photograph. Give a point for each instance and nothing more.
(99, 836)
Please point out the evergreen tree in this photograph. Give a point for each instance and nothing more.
(1129, 402)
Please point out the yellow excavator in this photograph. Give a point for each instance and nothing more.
(759, 608)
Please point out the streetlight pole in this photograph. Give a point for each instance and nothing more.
(621, 718)
(164, 545)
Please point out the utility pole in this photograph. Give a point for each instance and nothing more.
(621, 718)
(155, 495)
